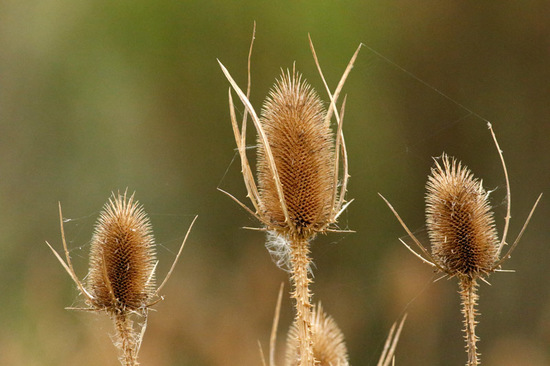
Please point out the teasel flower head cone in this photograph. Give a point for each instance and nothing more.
(329, 347)
(460, 222)
(302, 146)
(121, 275)
(463, 236)
(121, 278)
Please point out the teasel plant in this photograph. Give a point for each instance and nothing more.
(464, 239)
(301, 181)
(329, 347)
(121, 275)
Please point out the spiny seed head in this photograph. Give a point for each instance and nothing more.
(302, 144)
(329, 347)
(122, 257)
(460, 222)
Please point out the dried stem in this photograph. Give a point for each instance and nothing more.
(127, 340)
(300, 261)
(469, 297)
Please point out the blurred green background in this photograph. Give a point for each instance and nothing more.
(97, 96)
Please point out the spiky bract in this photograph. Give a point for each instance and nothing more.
(122, 257)
(460, 221)
(329, 348)
(302, 144)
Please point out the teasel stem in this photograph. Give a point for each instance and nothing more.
(301, 279)
(127, 339)
(469, 297)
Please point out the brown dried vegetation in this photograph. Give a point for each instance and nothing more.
(463, 236)
(460, 221)
(300, 188)
(329, 347)
(121, 277)
(122, 258)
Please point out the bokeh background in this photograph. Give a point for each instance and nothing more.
(97, 96)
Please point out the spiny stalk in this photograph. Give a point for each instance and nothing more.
(469, 297)
(126, 339)
(302, 296)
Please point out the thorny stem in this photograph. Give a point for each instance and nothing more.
(301, 280)
(469, 297)
(126, 339)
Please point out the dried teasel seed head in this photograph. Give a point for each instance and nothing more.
(122, 257)
(329, 347)
(460, 222)
(302, 144)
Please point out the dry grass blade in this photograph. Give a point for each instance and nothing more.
(388, 353)
(262, 356)
(245, 166)
(275, 326)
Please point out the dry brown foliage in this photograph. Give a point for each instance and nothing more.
(121, 277)
(464, 241)
(300, 188)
